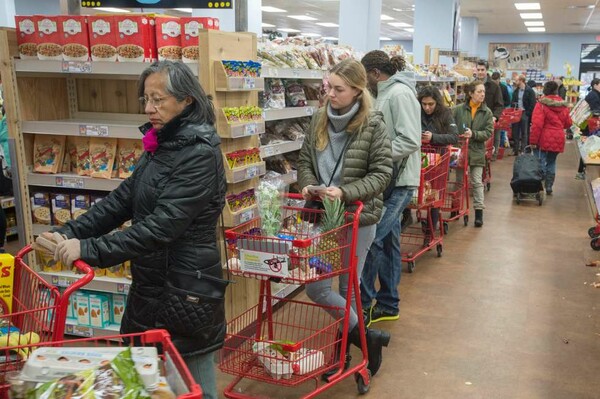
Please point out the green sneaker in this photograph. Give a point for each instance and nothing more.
(378, 315)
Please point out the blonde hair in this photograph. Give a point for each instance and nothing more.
(354, 75)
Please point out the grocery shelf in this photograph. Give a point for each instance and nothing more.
(245, 172)
(71, 328)
(238, 129)
(71, 180)
(291, 73)
(280, 148)
(232, 219)
(115, 285)
(85, 68)
(87, 127)
(12, 231)
(288, 113)
(223, 82)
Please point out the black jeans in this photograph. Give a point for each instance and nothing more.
(520, 134)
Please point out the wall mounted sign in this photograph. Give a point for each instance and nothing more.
(158, 3)
(519, 56)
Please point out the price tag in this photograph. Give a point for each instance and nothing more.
(77, 67)
(70, 182)
(268, 151)
(64, 281)
(273, 72)
(249, 83)
(251, 172)
(250, 129)
(246, 216)
(83, 331)
(309, 110)
(93, 130)
(295, 73)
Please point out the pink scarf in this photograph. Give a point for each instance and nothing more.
(150, 140)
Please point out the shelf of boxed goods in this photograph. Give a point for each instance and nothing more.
(288, 113)
(113, 285)
(72, 328)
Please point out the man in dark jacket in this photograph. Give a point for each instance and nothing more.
(562, 90)
(174, 199)
(493, 93)
(523, 98)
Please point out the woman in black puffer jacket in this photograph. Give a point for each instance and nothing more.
(174, 199)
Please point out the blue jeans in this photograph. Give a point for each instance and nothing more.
(384, 259)
(549, 166)
(202, 368)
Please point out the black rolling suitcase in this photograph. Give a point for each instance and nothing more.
(528, 175)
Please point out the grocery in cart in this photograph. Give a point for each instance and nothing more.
(285, 342)
(431, 195)
(456, 205)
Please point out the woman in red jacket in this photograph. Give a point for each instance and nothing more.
(549, 121)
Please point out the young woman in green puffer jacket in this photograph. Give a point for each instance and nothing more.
(475, 122)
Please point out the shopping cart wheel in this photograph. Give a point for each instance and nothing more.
(411, 266)
(595, 244)
(446, 227)
(488, 186)
(439, 249)
(466, 220)
(592, 232)
(362, 385)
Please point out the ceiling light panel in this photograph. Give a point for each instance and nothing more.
(400, 24)
(288, 30)
(531, 15)
(264, 25)
(110, 9)
(527, 6)
(328, 24)
(534, 23)
(302, 17)
(386, 18)
(536, 29)
(271, 9)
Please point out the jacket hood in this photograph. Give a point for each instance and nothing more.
(553, 101)
(406, 78)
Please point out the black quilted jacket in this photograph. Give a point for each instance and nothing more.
(174, 199)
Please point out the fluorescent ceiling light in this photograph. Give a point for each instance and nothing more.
(411, 30)
(386, 18)
(400, 24)
(385, 38)
(271, 9)
(310, 34)
(534, 23)
(335, 39)
(302, 17)
(327, 24)
(527, 6)
(288, 30)
(111, 9)
(531, 15)
(264, 25)
(536, 29)
(187, 10)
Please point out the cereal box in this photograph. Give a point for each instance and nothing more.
(82, 308)
(216, 24)
(70, 307)
(48, 153)
(50, 40)
(168, 38)
(102, 156)
(118, 307)
(61, 208)
(134, 42)
(40, 207)
(80, 203)
(75, 39)
(99, 310)
(189, 37)
(27, 37)
(103, 38)
(7, 268)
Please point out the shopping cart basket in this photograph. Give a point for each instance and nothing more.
(431, 194)
(172, 366)
(457, 195)
(285, 342)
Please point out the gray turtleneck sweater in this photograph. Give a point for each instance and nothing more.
(327, 158)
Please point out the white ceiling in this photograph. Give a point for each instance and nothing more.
(495, 16)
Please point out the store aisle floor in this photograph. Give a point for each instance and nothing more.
(507, 312)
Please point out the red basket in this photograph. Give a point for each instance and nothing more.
(434, 178)
(287, 346)
(299, 255)
(173, 367)
(508, 118)
(593, 124)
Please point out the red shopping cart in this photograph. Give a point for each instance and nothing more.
(431, 195)
(172, 366)
(457, 196)
(293, 342)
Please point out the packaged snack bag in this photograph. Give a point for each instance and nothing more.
(48, 153)
(129, 152)
(102, 156)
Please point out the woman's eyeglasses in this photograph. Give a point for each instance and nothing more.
(156, 102)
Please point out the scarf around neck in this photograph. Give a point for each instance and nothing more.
(340, 122)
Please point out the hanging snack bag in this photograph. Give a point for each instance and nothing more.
(48, 153)
(294, 94)
(103, 38)
(130, 152)
(102, 156)
(27, 38)
(168, 38)
(50, 41)
(275, 94)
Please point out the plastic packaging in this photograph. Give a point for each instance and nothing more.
(269, 197)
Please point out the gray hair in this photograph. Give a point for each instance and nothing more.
(181, 83)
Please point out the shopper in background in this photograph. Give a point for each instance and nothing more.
(562, 90)
(493, 93)
(503, 89)
(593, 100)
(475, 120)
(437, 127)
(524, 98)
(349, 134)
(549, 121)
(174, 199)
(396, 98)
